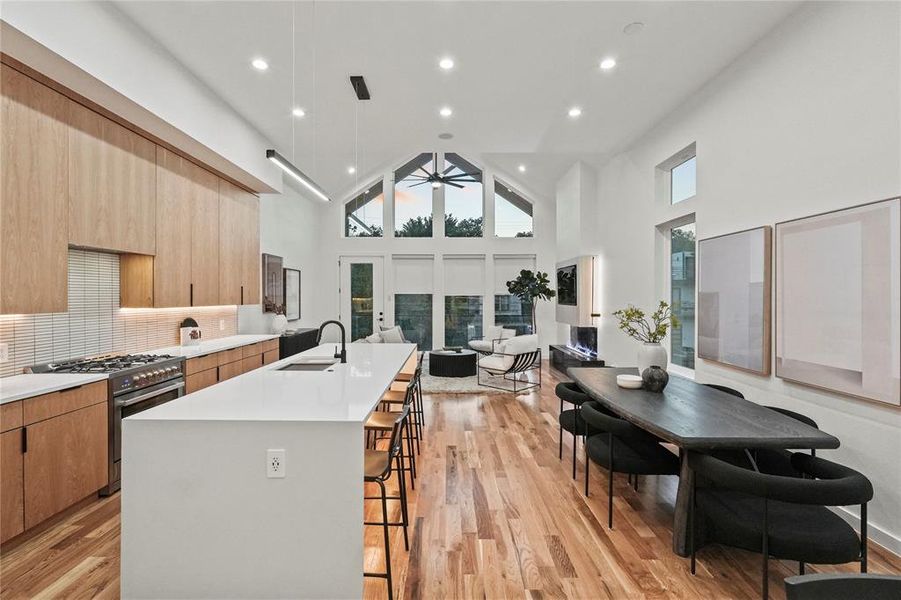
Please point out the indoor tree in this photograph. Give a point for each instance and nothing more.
(531, 287)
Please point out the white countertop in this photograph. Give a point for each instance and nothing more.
(27, 385)
(345, 392)
(217, 345)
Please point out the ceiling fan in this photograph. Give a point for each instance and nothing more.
(438, 179)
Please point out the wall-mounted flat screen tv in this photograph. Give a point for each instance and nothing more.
(566, 285)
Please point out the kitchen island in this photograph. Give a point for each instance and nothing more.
(202, 519)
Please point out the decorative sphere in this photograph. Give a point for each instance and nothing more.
(654, 379)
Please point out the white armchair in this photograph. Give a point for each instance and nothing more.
(516, 356)
(493, 340)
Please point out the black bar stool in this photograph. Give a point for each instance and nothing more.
(377, 468)
(380, 422)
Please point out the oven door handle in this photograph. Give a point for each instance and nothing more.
(142, 397)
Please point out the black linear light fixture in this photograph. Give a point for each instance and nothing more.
(297, 174)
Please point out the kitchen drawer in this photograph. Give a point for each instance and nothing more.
(270, 345)
(46, 406)
(230, 356)
(10, 415)
(201, 363)
(198, 381)
(229, 370)
(251, 362)
(253, 349)
(270, 356)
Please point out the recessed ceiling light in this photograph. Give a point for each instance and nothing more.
(445, 136)
(259, 64)
(446, 63)
(522, 168)
(608, 63)
(575, 112)
(351, 170)
(298, 112)
(633, 28)
(446, 111)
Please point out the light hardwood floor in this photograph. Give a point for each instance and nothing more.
(495, 514)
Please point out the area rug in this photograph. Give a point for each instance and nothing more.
(456, 385)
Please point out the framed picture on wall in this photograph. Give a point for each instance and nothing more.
(734, 287)
(838, 301)
(273, 286)
(292, 294)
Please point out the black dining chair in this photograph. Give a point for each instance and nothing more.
(778, 516)
(774, 462)
(622, 447)
(569, 419)
(832, 586)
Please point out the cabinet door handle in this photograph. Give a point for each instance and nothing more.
(192, 294)
(242, 294)
(24, 440)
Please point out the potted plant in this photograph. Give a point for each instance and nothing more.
(632, 321)
(531, 287)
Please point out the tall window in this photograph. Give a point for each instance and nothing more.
(509, 310)
(413, 199)
(464, 286)
(682, 294)
(512, 212)
(462, 198)
(413, 312)
(413, 286)
(462, 319)
(683, 180)
(363, 214)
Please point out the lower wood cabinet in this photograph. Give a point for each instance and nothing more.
(53, 453)
(202, 379)
(12, 499)
(229, 370)
(270, 356)
(65, 461)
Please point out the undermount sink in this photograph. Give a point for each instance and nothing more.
(310, 363)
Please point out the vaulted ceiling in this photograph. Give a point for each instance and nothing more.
(519, 67)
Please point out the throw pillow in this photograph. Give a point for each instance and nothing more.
(375, 338)
(392, 336)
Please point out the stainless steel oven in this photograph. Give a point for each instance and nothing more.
(132, 403)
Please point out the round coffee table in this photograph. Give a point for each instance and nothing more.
(444, 363)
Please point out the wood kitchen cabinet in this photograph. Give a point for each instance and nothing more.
(33, 196)
(65, 461)
(12, 500)
(239, 249)
(185, 269)
(112, 184)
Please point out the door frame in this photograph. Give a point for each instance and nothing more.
(378, 287)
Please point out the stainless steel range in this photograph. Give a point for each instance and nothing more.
(136, 382)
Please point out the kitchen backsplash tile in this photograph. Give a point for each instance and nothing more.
(94, 323)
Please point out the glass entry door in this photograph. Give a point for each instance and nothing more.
(361, 295)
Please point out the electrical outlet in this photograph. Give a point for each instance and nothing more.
(221, 324)
(275, 464)
(4, 352)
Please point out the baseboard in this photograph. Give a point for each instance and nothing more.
(874, 532)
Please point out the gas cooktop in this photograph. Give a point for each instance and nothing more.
(110, 363)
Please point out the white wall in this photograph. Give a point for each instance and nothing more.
(542, 245)
(93, 49)
(808, 120)
(290, 228)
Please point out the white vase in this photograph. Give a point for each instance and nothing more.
(651, 355)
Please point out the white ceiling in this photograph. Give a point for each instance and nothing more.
(519, 67)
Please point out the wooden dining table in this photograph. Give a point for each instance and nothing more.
(693, 416)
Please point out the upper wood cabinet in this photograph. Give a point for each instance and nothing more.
(112, 185)
(33, 196)
(186, 265)
(239, 245)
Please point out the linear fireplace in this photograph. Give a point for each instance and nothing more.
(581, 350)
(583, 340)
